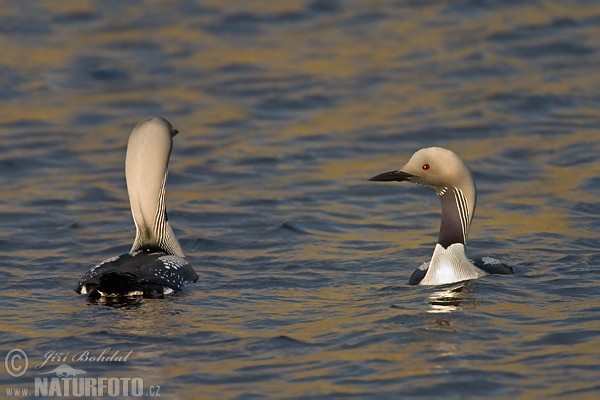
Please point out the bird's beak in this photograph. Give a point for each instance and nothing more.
(399, 176)
(174, 132)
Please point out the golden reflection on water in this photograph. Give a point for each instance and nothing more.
(448, 299)
(410, 54)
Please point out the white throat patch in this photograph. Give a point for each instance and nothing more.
(450, 265)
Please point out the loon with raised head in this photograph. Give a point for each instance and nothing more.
(451, 178)
(156, 264)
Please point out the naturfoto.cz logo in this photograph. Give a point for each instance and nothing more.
(69, 381)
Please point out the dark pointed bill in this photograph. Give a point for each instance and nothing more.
(399, 176)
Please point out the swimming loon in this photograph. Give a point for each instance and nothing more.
(156, 264)
(451, 178)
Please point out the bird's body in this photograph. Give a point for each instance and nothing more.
(445, 172)
(156, 264)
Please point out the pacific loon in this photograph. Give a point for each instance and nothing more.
(156, 264)
(451, 178)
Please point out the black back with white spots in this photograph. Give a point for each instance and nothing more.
(145, 273)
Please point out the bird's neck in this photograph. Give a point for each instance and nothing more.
(455, 222)
(153, 230)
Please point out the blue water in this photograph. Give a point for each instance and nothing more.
(285, 109)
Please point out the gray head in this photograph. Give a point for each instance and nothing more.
(445, 172)
(148, 153)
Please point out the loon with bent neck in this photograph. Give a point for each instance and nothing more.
(156, 264)
(451, 178)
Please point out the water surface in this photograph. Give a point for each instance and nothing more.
(285, 109)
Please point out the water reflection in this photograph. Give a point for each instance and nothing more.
(450, 298)
(285, 109)
(118, 302)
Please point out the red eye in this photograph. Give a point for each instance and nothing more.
(425, 167)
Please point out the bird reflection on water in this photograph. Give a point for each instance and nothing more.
(451, 299)
(283, 106)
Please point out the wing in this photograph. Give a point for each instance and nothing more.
(493, 266)
(419, 274)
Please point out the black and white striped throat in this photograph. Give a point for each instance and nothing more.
(455, 216)
(463, 211)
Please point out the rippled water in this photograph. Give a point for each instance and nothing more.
(285, 109)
